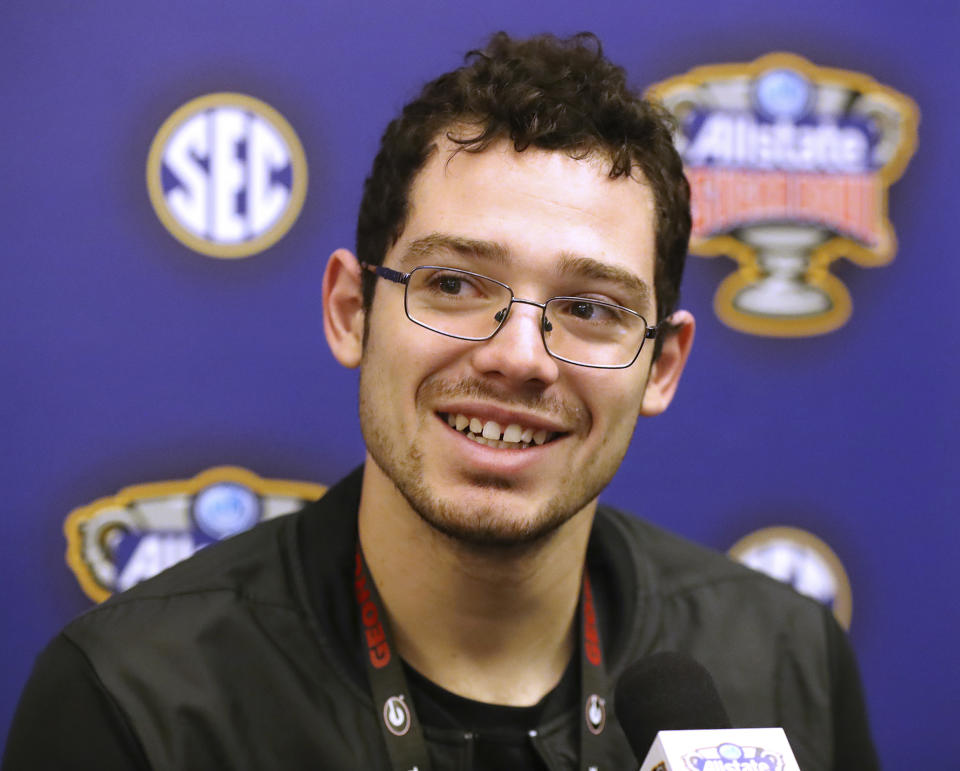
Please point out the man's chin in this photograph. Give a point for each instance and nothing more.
(487, 482)
(487, 532)
(491, 513)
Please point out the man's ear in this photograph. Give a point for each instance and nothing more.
(666, 370)
(343, 307)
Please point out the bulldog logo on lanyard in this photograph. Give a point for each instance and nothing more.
(396, 715)
(596, 713)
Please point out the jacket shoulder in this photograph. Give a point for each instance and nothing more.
(222, 581)
(673, 565)
(245, 563)
(772, 652)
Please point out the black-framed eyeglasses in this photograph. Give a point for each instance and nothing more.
(469, 306)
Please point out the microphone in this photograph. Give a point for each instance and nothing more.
(667, 691)
(672, 715)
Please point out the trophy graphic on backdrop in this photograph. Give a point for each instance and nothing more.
(122, 539)
(789, 166)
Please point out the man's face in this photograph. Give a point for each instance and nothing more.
(547, 225)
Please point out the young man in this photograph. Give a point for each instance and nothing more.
(461, 601)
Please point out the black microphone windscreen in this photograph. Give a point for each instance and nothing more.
(666, 692)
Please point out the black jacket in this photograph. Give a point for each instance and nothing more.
(246, 656)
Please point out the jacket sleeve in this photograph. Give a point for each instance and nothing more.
(66, 720)
(853, 746)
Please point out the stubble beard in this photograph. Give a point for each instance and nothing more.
(477, 525)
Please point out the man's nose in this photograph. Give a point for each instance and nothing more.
(516, 352)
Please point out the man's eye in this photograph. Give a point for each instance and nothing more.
(450, 284)
(584, 310)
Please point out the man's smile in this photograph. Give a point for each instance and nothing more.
(512, 436)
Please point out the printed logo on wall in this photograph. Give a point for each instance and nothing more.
(789, 167)
(802, 560)
(227, 175)
(118, 541)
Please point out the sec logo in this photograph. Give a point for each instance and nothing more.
(227, 175)
(802, 560)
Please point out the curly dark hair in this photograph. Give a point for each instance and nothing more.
(550, 93)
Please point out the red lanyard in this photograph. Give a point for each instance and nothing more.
(399, 725)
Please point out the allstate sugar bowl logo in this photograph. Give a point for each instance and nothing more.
(227, 175)
(789, 166)
(226, 508)
(802, 560)
(733, 757)
(118, 541)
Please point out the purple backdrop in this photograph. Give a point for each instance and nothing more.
(128, 358)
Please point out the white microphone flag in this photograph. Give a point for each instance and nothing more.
(727, 749)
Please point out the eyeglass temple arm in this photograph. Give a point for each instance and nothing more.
(652, 332)
(388, 273)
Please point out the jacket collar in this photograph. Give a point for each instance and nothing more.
(623, 582)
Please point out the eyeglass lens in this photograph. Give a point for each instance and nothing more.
(473, 307)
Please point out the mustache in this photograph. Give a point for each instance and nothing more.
(567, 411)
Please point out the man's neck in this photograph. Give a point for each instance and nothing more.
(494, 624)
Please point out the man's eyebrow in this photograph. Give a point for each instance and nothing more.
(425, 248)
(574, 265)
(587, 267)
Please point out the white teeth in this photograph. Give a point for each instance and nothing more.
(512, 433)
(491, 430)
(491, 434)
